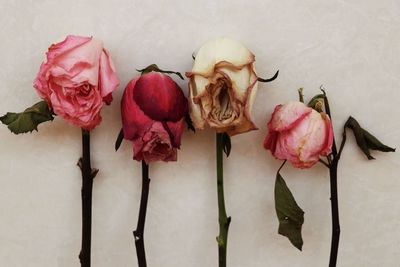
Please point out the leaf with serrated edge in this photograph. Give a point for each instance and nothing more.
(29, 119)
(290, 215)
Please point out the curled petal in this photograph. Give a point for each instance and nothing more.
(108, 79)
(176, 131)
(195, 109)
(135, 123)
(83, 60)
(155, 145)
(221, 52)
(327, 148)
(70, 42)
(287, 116)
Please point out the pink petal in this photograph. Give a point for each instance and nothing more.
(176, 129)
(326, 150)
(135, 122)
(108, 79)
(160, 97)
(287, 116)
(69, 43)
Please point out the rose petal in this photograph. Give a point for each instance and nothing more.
(326, 150)
(221, 51)
(135, 122)
(70, 42)
(195, 109)
(287, 116)
(176, 129)
(87, 54)
(108, 79)
(159, 97)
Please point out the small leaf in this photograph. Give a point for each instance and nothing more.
(270, 79)
(226, 144)
(29, 119)
(365, 140)
(189, 123)
(154, 67)
(119, 139)
(290, 215)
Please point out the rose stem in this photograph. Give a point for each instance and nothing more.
(335, 214)
(139, 232)
(224, 221)
(333, 165)
(86, 193)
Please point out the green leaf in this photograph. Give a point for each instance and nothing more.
(374, 144)
(290, 215)
(119, 139)
(154, 67)
(29, 119)
(226, 144)
(365, 140)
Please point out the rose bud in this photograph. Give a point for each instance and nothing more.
(222, 87)
(299, 134)
(153, 112)
(75, 80)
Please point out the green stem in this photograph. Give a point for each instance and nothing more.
(224, 221)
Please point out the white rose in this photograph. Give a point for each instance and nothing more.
(222, 87)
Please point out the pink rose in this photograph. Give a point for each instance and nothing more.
(299, 134)
(76, 79)
(153, 112)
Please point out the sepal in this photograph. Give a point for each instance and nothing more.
(119, 140)
(226, 144)
(154, 67)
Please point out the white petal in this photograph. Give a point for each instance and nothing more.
(219, 51)
(200, 84)
(195, 111)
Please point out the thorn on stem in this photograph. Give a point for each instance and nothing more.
(94, 173)
(79, 163)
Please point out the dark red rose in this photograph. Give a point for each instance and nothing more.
(153, 112)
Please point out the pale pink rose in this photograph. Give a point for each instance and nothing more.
(299, 134)
(75, 80)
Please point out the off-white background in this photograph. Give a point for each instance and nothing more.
(351, 47)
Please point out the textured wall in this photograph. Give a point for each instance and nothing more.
(350, 46)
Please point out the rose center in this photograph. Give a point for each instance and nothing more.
(84, 90)
(223, 109)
